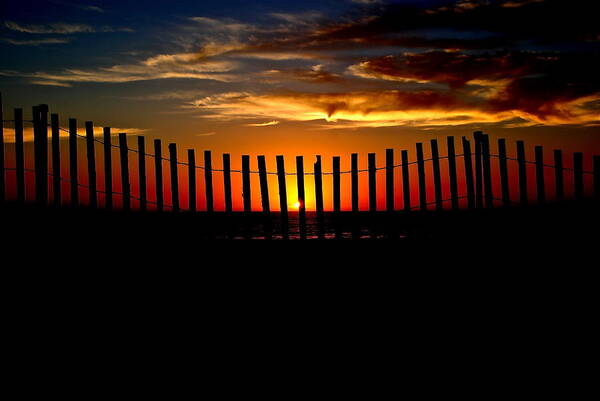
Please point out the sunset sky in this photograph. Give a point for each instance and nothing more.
(308, 77)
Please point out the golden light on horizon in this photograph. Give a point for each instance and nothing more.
(296, 205)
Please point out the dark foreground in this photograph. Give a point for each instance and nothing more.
(567, 222)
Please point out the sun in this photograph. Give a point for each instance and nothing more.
(296, 205)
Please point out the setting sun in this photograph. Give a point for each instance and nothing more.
(296, 205)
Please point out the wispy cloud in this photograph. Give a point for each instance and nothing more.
(269, 123)
(206, 133)
(61, 28)
(98, 131)
(35, 42)
(183, 65)
(93, 8)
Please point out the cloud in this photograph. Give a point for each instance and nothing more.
(9, 133)
(206, 134)
(183, 65)
(61, 28)
(266, 124)
(388, 108)
(35, 42)
(93, 8)
(316, 74)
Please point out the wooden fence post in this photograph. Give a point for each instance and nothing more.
(73, 169)
(56, 176)
(227, 182)
(318, 187)
(91, 160)
(597, 177)
(264, 184)
(437, 178)
(158, 174)
(389, 180)
(191, 179)
(19, 156)
(301, 190)
(354, 179)
(2, 168)
(522, 173)
(487, 171)
(372, 183)
(141, 140)
(247, 188)
(108, 191)
(405, 181)
(208, 181)
(125, 186)
(421, 169)
(282, 187)
(468, 173)
(42, 159)
(174, 176)
(337, 196)
(559, 176)
(503, 162)
(539, 174)
(452, 172)
(578, 175)
(478, 170)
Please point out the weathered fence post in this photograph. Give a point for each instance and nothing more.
(91, 161)
(503, 162)
(125, 186)
(56, 177)
(318, 187)
(108, 192)
(452, 172)
(301, 190)
(597, 177)
(559, 176)
(522, 173)
(301, 196)
(73, 169)
(158, 174)
(282, 187)
(578, 175)
(174, 176)
(264, 184)
(437, 178)
(468, 173)
(19, 156)
(247, 189)
(487, 171)
(208, 181)
(421, 169)
(478, 169)
(191, 179)
(41, 160)
(227, 182)
(2, 168)
(405, 180)
(389, 180)
(539, 174)
(372, 183)
(337, 196)
(354, 179)
(142, 172)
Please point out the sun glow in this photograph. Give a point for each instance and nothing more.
(296, 205)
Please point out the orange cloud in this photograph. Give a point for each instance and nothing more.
(383, 108)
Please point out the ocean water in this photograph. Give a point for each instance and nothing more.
(345, 225)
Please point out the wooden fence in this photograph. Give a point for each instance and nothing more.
(480, 189)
